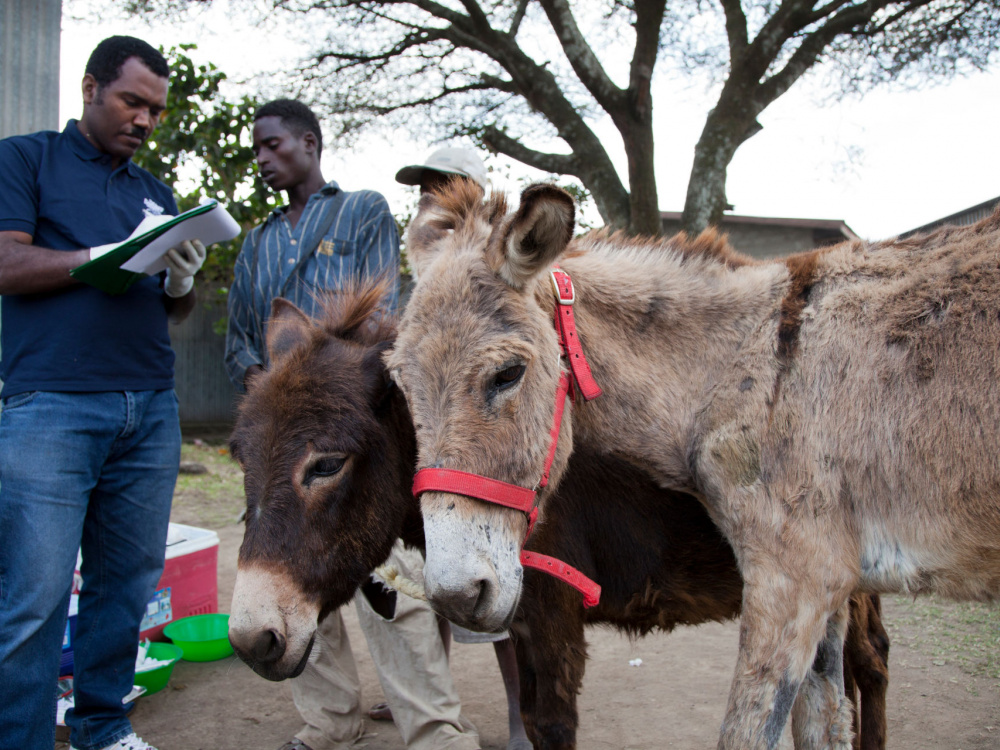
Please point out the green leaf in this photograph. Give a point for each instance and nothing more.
(202, 149)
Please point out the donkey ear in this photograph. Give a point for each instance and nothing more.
(431, 224)
(287, 327)
(377, 382)
(535, 236)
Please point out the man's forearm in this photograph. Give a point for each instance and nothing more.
(28, 269)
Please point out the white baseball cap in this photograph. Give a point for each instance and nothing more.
(463, 161)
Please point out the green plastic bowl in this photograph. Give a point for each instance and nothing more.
(155, 680)
(201, 637)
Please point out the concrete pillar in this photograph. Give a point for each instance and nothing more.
(29, 66)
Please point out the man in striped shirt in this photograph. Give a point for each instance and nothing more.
(324, 238)
(321, 240)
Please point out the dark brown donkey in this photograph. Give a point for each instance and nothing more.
(328, 451)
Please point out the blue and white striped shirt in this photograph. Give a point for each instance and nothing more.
(362, 242)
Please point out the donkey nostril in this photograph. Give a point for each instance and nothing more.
(268, 646)
(483, 600)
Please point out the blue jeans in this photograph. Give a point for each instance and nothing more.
(90, 471)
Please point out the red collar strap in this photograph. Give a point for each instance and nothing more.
(515, 496)
(568, 339)
(590, 590)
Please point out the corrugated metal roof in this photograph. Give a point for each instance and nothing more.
(834, 225)
(961, 218)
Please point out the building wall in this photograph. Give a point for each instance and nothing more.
(204, 392)
(29, 66)
(761, 241)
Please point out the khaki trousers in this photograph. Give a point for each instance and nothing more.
(412, 667)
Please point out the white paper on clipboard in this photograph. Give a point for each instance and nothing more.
(210, 227)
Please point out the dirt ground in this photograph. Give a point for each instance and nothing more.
(944, 691)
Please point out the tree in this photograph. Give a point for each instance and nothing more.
(201, 149)
(529, 80)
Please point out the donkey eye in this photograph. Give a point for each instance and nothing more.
(327, 466)
(508, 377)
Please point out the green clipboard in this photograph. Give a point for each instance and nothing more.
(104, 272)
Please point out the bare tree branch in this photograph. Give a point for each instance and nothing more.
(611, 198)
(497, 140)
(499, 84)
(736, 29)
(812, 47)
(585, 63)
(428, 100)
(515, 24)
(649, 17)
(491, 69)
(411, 41)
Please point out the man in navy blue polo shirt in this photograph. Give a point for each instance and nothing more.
(89, 433)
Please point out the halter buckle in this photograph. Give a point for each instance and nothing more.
(558, 291)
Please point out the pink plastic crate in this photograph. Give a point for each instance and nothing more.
(189, 584)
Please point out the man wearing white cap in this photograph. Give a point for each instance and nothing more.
(441, 166)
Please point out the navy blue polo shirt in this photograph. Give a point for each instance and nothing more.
(62, 191)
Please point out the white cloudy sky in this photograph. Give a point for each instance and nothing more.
(884, 164)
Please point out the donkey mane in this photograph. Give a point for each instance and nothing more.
(351, 315)
(354, 313)
(460, 206)
(463, 199)
(711, 246)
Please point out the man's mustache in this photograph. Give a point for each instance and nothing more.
(139, 133)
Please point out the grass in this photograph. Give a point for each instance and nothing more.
(213, 499)
(966, 634)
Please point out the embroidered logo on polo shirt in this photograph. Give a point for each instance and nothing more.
(152, 208)
(325, 247)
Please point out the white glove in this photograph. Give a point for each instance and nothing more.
(183, 263)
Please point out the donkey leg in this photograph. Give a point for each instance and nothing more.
(866, 651)
(527, 678)
(784, 619)
(851, 689)
(557, 650)
(822, 716)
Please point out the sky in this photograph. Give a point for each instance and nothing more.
(884, 163)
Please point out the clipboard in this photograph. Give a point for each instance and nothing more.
(142, 253)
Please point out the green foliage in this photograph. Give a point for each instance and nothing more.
(202, 150)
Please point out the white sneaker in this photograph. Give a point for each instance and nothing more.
(131, 742)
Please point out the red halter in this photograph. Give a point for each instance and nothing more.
(521, 498)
